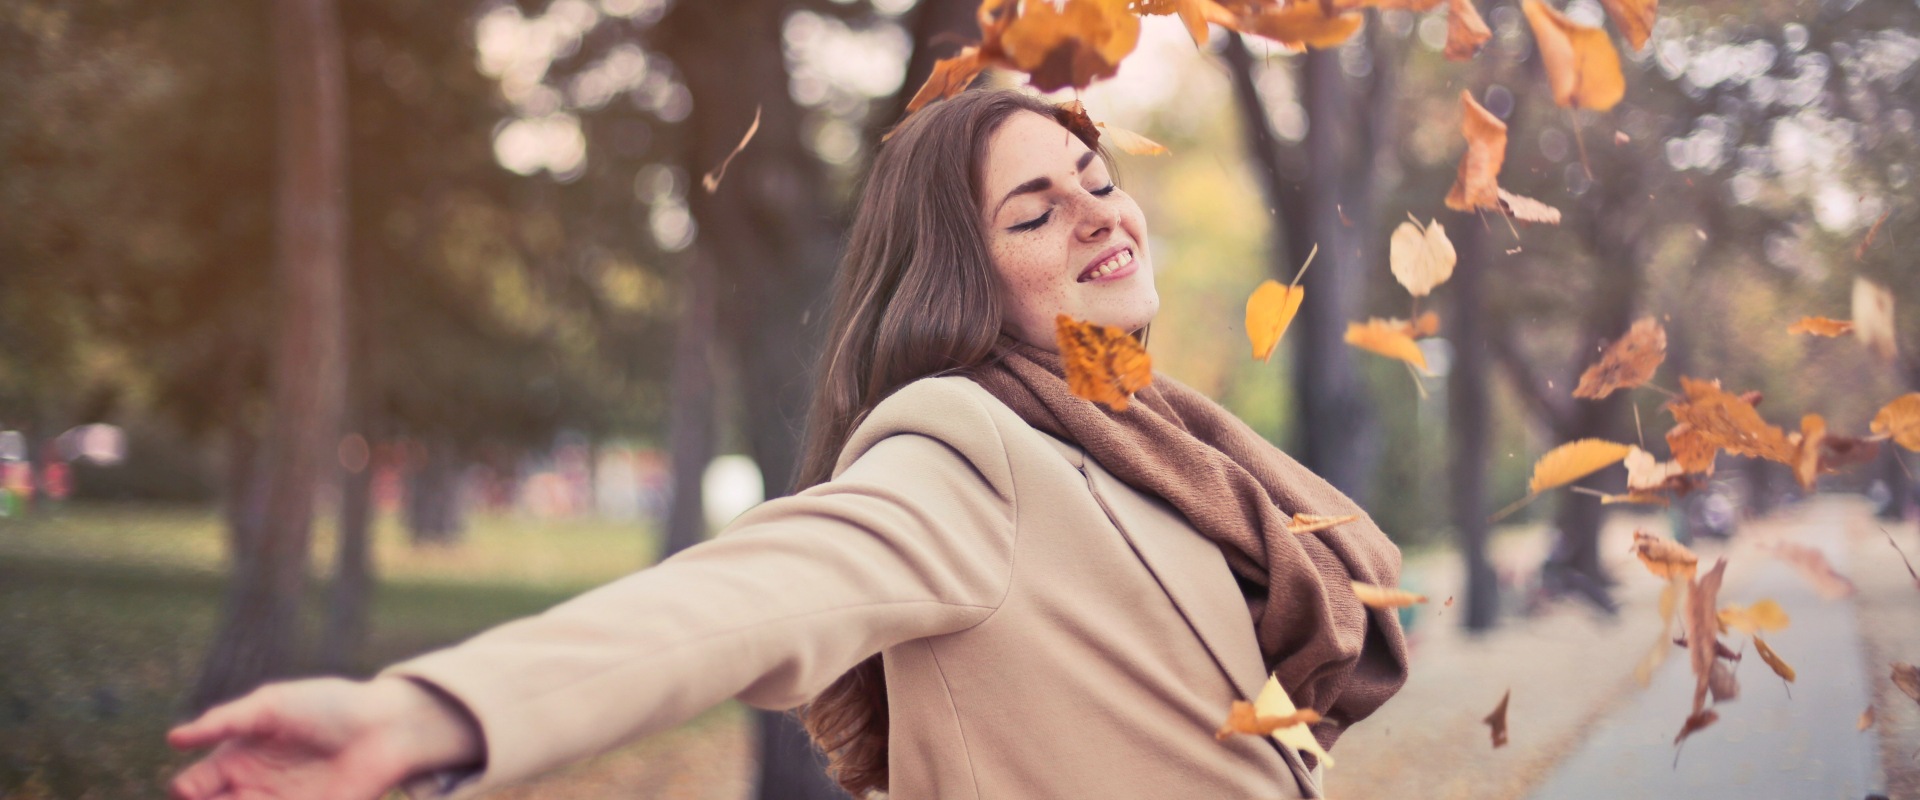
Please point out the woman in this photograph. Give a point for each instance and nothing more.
(990, 589)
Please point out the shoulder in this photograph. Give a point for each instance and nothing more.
(951, 411)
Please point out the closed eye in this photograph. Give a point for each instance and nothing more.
(1106, 191)
(1038, 221)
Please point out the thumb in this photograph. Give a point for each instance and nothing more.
(234, 718)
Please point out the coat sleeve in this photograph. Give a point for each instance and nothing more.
(913, 538)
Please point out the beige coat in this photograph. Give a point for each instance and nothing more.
(1048, 631)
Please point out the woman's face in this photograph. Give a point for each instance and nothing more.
(1064, 239)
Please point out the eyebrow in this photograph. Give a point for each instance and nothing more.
(1041, 184)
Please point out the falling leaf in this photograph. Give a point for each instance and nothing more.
(1466, 30)
(1497, 721)
(1639, 497)
(950, 76)
(1866, 719)
(1702, 625)
(712, 179)
(1665, 558)
(1194, 14)
(1103, 364)
(1130, 142)
(1620, 138)
(1630, 361)
(1581, 65)
(1381, 597)
(1722, 686)
(1634, 18)
(1903, 557)
(1270, 310)
(1449, 603)
(1779, 665)
(1421, 258)
(1243, 719)
(1427, 324)
(1860, 251)
(1386, 338)
(1806, 464)
(1813, 565)
(1838, 452)
(1071, 44)
(1274, 702)
(1311, 523)
(1478, 183)
(1730, 422)
(1765, 615)
(1527, 209)
(1302, 25)
(1821, 326)
(1574, 460)
(1907, 677)
(1900, 421)
(1691, 449)
(1695, 723)
(1873, 318)
(1645, 473)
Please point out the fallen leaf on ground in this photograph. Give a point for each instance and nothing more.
(1702, 625)
(1384, 337)
(1581, 65)
(1574, 460)
(1664, 557)
(1103, 363)
(1311, 523)
(1382, 597)
(1907, 677)
(1420, 257)
(1765, 615)
(1467, 31)
(1873, 319)
(1813, 565)
(712, 179)
(1900, 421)
(1630, 361)
(1634, 18)
(1779, 665)
(1243, 719)
(1821, 326)
(1497, 721)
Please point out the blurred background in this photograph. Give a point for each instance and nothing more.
(334, 331)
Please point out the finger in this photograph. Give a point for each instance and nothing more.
(224, 721)
(200, 781)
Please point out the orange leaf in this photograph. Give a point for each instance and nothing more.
(1665, 558)
(1313, 523)
(1478, 183)
(1381, 597)
(1069, 45)
(1130, 142)
(1634, 18)
(1385, 337)
(1104, 364)
(1806, 462)
(1243, 719)
(1873, 318)
(1821, 326)
(1270, 310)
(1730, 422)
(1580, 61)
(1900, 421)
(1765, 615)
(1779, 665)
(1628, 362)
(1692, 450)
(1497, 721)
(1866, 719)
(1302, 25)
(1466, 30)
(1574, 460)
(950, 76)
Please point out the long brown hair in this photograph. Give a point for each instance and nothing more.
(915, 296)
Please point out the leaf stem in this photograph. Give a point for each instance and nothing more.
(1303, 267)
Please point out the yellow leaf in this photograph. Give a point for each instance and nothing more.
(1478, 183)
(1873, 318)
(1900, 420)
(1580, 61)
(1574, 460)
(1130, 142)
(1421, 258)
(1665, 558)
(1313, 523)
(1301, 26)
(1388, 339)
(1243, 718)
(1466, 30)
(1779, 665)
(1381, 597)
(1103, 363)
(1270, 310)
(1634, 18)
(1821, 326)
(1274, 702)
(1765, 615)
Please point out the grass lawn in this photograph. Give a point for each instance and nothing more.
(106, 611)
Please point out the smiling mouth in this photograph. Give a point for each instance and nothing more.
(1107, 267)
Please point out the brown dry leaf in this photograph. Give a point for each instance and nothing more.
(1274, 702)
(1270, 309)
(1103, 363)
(1695, 723)
(1866, 718)
(1243, 719)
(1907, 677)
(1420, 257)
(1629, 362)
(1779, 665)
(1873, 318)
(1730, 422)
(1813, 565)
(1073, 116)
(1313, 523)
(1068, 45)
(1765, 615)
(1382, 597)
(1900, 421)
(1860, 250)
(1702, 625)
(712, 179)
(1839, 452)
(1580, 61)
(1574, 460)
(1634, 18)
(1302, 25)
(950, 76)
(1386, 338)
(1497, 721)
(1806, 463)
(1527, 209)
(1722, 686)
(1665, 558)
(1692, 450)
(1130, 142)
(1821, 326)
(1478, 183)
(1466, 30)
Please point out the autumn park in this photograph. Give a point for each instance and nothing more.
(335, 332)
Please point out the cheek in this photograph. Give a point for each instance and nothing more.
(1030, 270)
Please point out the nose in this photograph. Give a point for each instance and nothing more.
(1097, 218)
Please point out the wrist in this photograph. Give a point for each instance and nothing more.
(432, 730)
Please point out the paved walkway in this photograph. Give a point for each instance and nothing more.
(1766, 744)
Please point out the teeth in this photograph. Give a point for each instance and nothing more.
(1107, 267)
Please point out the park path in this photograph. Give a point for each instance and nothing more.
(1766, 744)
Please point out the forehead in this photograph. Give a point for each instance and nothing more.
(1029, 146)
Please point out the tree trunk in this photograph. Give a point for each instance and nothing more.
(1469, 409)
(690, 426)
(258, 635)
(433, 509)
(349, 597)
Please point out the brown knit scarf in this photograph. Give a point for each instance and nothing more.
(1239, 490)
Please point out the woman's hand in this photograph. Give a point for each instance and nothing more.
(323, 738)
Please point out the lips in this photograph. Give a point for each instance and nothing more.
(1106, 264)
